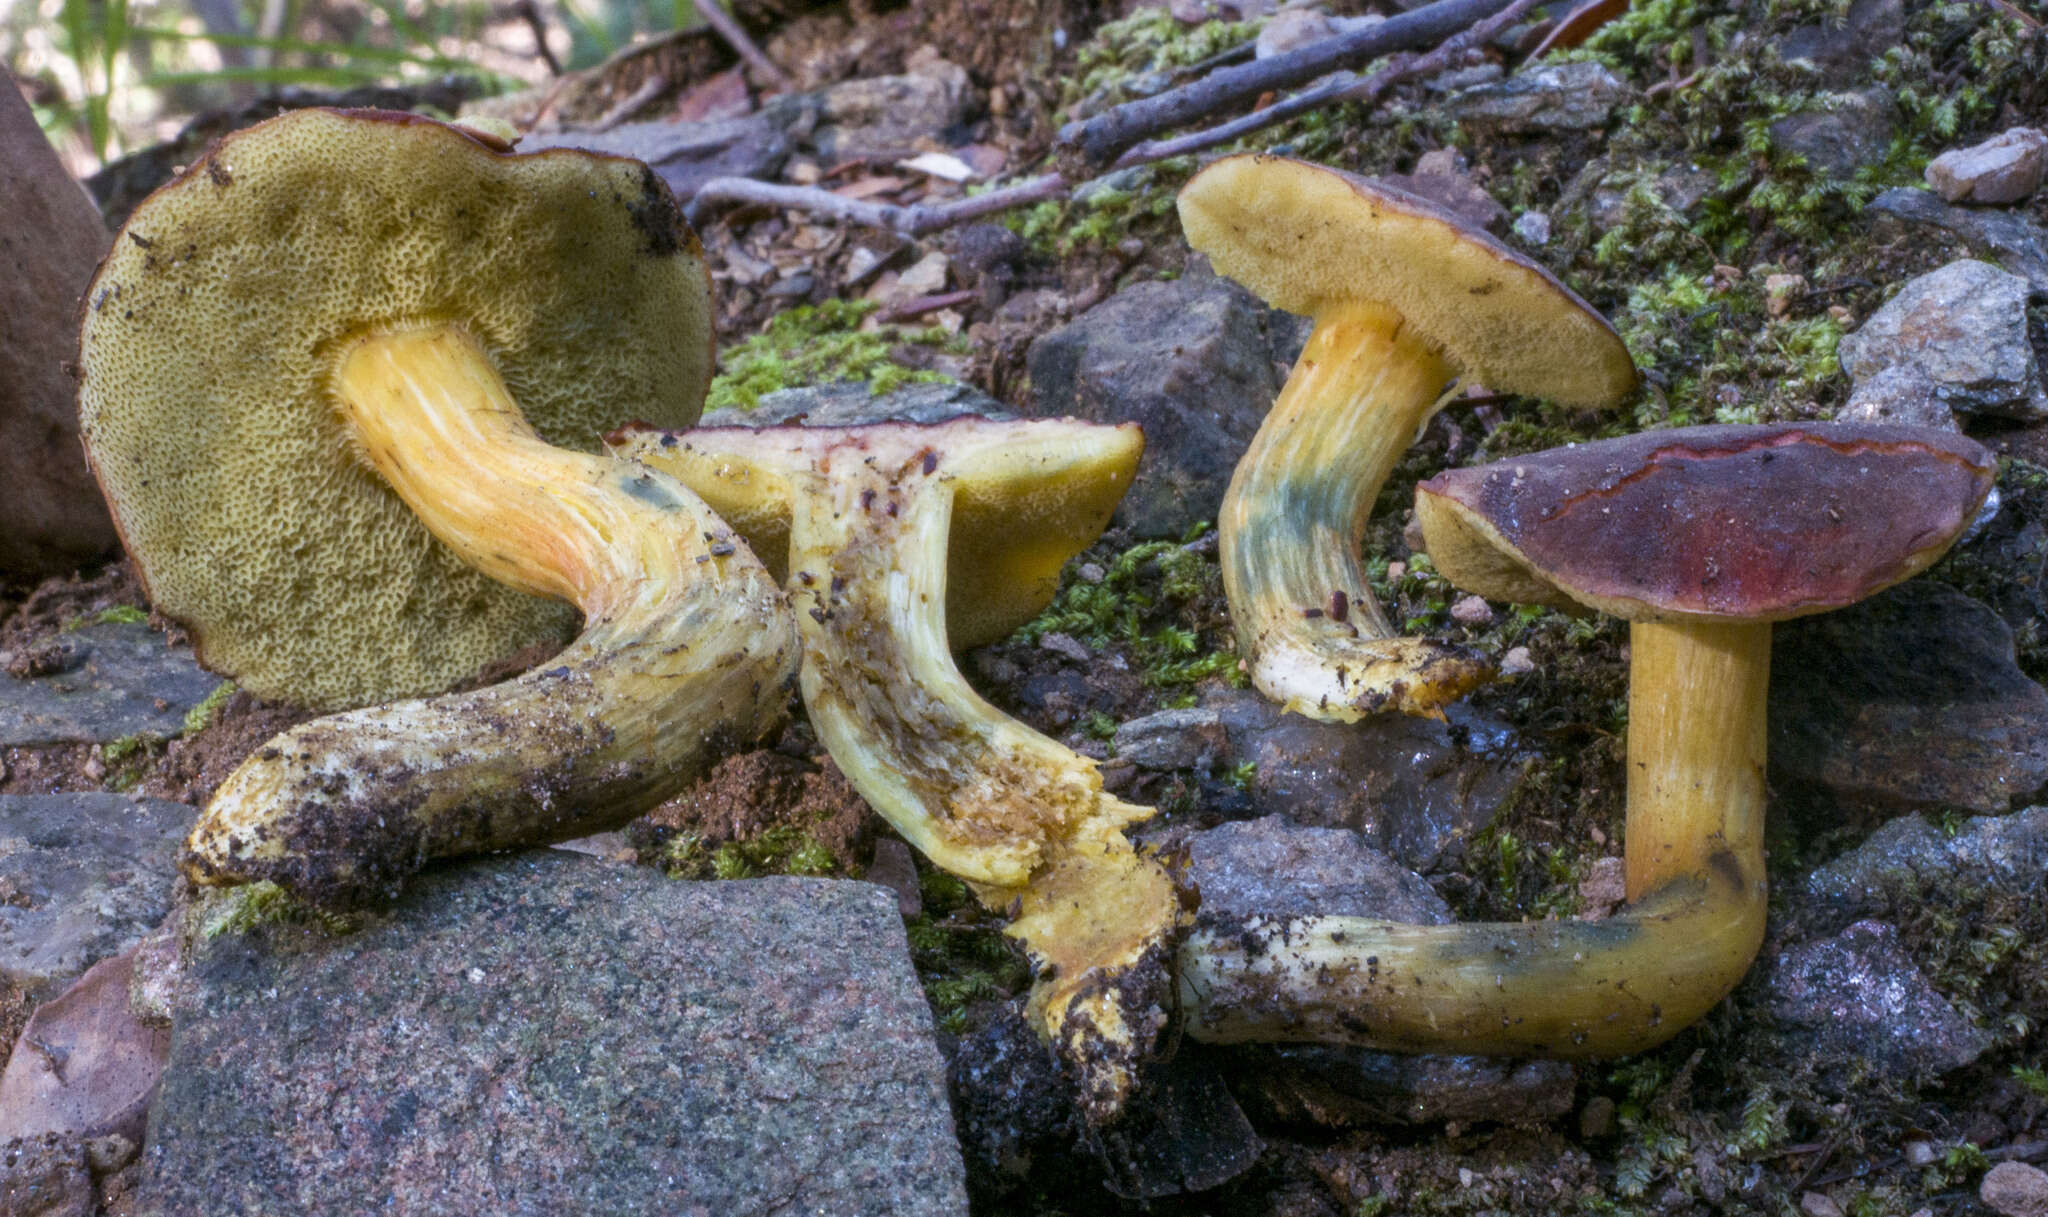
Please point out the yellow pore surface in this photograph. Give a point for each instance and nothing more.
(207, 354)
(1305, 238)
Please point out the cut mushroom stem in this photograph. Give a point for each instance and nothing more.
(687, 651)
(871, 514)
(1297, 507)
(1549, 988)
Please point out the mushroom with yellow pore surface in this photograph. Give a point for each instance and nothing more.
(322, 372)
(1406, 297)
(891, 532)
(1701, 538)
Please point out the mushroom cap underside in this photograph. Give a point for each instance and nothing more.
(1305, 237)
(207, 354)
(1027, 494)
(1718, 523)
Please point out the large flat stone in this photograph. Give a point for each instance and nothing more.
(548, 1034)
(115, 679)
(82, 877)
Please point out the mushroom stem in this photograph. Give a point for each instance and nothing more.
(1292, 521)
(1020, 816)
(687, 650)
(1550, 988)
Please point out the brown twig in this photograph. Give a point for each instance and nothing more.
(529, 12)
(630, 104)
(913, 221)
(726, 26)
(904, 310)
(1100, 140)
(2016, 13)
(1344, 86)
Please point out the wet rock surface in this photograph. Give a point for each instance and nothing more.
(547, 1033)
(1840, 132)
(100, 683)
(1196, 362)
(1273, 867)
(1956, 340)
(1908, 855)
(1911, 699)
(82, 877)
(2018, 244)
(1856, 1004)
(1332, 1086)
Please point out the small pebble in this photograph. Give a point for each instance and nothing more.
(1817, 1204)
(1533, 227)
(1922, 1153)
(2015, 1189)
(1596, 1118)
(1516, 662)
(1471, 610)
(1091, 572)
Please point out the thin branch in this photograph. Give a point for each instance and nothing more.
(1099, 140)
(630, 104)
(913, 221)
(726, 26)
(1342, 86)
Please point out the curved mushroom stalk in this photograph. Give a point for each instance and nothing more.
(1549, 988)
(1405, 297)
(1307, 622)
(871, 513)
(688, 650)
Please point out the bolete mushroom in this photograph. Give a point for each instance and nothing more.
(881, 525)
(307, 377)
(1405, 297)
(1701, 538)
(213, 334)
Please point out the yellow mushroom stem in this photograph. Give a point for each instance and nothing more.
(1548, 988)
(1291, 524)
(687, 651)
(1020, 816)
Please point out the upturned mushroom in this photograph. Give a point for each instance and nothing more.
(1406, 298)
(323, 371)
(882, 527)
(1700, 538)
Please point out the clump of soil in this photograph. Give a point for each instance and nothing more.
(761, 811)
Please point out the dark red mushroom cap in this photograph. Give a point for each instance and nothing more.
(1722, 523)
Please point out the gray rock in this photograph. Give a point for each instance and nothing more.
(1908, 700)
(1957, 335)
(121, 680)
(82, 877)
(1455, 192)
(1533, 227)
(689, 154)
(2003, 169)
(2016, 244)
(1842, 50)
(1273, 867)
(1856, 1001)
(1901, 394)
(1552, 97)
(1192, 361)
(1840, 132)
(2015, 1189)
(888, 116)
(548, 1034)
(1411, 787)
(1605, 195)
(1192, 738)
(1332, 1086)
(45, 1176)
(1907, 856)
(851, 404)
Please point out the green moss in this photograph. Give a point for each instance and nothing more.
(785, 849)
(815, 344)
(120, 614)
(960, 952)
(1145, 604)
(113, 752)
(1149, 40)
(199, 717)
(238, 910)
